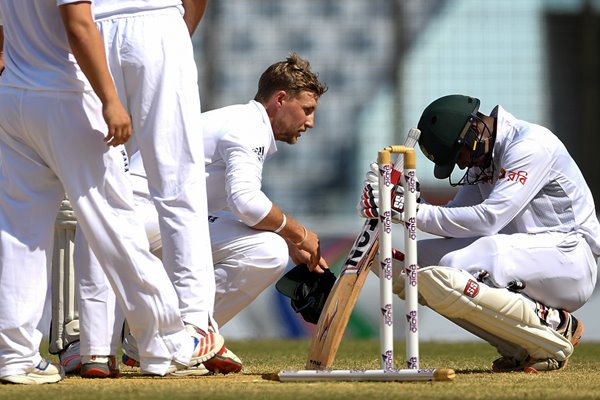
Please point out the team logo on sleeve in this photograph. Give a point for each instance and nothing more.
(260, 152)
(515, 176)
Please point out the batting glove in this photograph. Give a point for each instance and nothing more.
(369, 201)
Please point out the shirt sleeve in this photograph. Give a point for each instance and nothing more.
(243, 180)
(526, 167)
(467, 195)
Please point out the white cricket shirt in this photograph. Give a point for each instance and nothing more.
(110, 8)
(237, 141)
(38, 56)
(537, 187)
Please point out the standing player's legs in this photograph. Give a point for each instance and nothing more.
(101, 320)
(159, 76)
(29, 197)
(247, 261)
(101, 197)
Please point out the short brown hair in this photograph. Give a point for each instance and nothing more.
(292, 75)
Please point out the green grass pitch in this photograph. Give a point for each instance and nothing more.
(471, 361)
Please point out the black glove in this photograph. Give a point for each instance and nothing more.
(307, 290)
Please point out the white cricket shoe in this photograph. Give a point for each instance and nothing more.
(206, 346)
(224, 362)
(181, 370)
(44, 372)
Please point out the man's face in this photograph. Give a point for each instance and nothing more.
(296, 115)
(465, 158)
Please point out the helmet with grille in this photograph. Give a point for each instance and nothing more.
(442, 125)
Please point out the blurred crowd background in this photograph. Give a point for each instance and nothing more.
(384, 61)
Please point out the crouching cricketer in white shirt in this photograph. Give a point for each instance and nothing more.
(252, 239)
(519, 242)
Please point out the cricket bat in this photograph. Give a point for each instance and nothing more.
(344, 294)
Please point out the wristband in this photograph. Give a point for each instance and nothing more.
(304, 238)
(282, 224)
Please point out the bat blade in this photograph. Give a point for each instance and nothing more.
(344, 294)
(340, 302)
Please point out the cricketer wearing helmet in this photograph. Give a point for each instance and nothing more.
(520, 239)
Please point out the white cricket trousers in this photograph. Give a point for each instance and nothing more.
(247, 261)
(52, 143)
(151, 58)
(559, 269)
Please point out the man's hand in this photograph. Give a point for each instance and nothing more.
(88, 49)
(369, 201)
(193, 12)
(303, 257)
(303, 244)
(118, 122)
